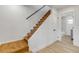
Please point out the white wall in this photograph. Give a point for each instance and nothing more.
(45, 35)
(59, 33)
(76, 27)
(13, 23)
(76, 36)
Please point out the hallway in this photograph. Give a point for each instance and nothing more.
(63, 46)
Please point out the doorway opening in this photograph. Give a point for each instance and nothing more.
(67, 25)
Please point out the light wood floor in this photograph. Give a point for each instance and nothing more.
(64, 46)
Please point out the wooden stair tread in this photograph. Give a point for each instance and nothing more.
(13, 46)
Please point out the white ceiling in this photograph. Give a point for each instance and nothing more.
(59, 7)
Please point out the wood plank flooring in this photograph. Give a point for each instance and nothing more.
(63, 46)
(14, 47)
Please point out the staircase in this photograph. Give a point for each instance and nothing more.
(22, 45)
(37, 25)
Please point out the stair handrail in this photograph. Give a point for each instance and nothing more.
(35, 12)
